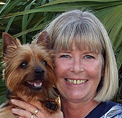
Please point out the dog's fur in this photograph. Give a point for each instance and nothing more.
(29, 73)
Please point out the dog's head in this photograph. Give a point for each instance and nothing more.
(28, 68)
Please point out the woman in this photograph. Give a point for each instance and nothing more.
(85, 68)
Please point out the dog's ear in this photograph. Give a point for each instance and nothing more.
(8, 40)
(44, 39)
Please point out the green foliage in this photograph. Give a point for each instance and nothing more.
(25, 18)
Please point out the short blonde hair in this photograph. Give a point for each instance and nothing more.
(86, 29)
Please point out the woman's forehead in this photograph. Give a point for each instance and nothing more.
(80, 43)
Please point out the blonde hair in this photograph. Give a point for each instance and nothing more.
(86, 29)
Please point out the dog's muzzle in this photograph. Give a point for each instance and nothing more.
(38, 80)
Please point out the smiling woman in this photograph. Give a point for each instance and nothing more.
(85, 65)
(87, 32)
(85, 68)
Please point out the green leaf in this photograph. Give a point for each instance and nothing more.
(9, 24)
(119, 59)
(8, 1)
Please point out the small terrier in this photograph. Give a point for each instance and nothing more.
(29, 73)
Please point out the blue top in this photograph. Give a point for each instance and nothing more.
(106, 110)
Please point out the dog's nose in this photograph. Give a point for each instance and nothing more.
(39, 72)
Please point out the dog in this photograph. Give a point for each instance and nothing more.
(29, 73)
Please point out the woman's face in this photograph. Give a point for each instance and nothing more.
(78, 73)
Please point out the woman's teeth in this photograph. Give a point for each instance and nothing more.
(76, 81)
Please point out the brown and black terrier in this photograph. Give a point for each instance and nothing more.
(29, 73)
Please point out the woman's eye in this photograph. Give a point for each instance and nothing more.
(89, 57)
(64, 56)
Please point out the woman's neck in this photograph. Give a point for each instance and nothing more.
(77, 110)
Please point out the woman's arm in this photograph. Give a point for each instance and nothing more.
(26, 110)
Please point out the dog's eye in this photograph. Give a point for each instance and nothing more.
(23, 65)
(44, 63)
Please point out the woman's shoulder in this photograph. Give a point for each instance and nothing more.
(115, 110)
(106, 110)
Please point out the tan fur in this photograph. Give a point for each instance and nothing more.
(35, 55)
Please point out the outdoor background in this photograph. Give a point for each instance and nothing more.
(26, 18)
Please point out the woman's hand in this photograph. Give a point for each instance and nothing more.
(27, 110)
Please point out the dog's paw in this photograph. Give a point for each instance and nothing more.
(52, 105)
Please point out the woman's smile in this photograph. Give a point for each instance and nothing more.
(76, 81)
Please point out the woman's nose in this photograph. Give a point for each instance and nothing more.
(77, 66)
